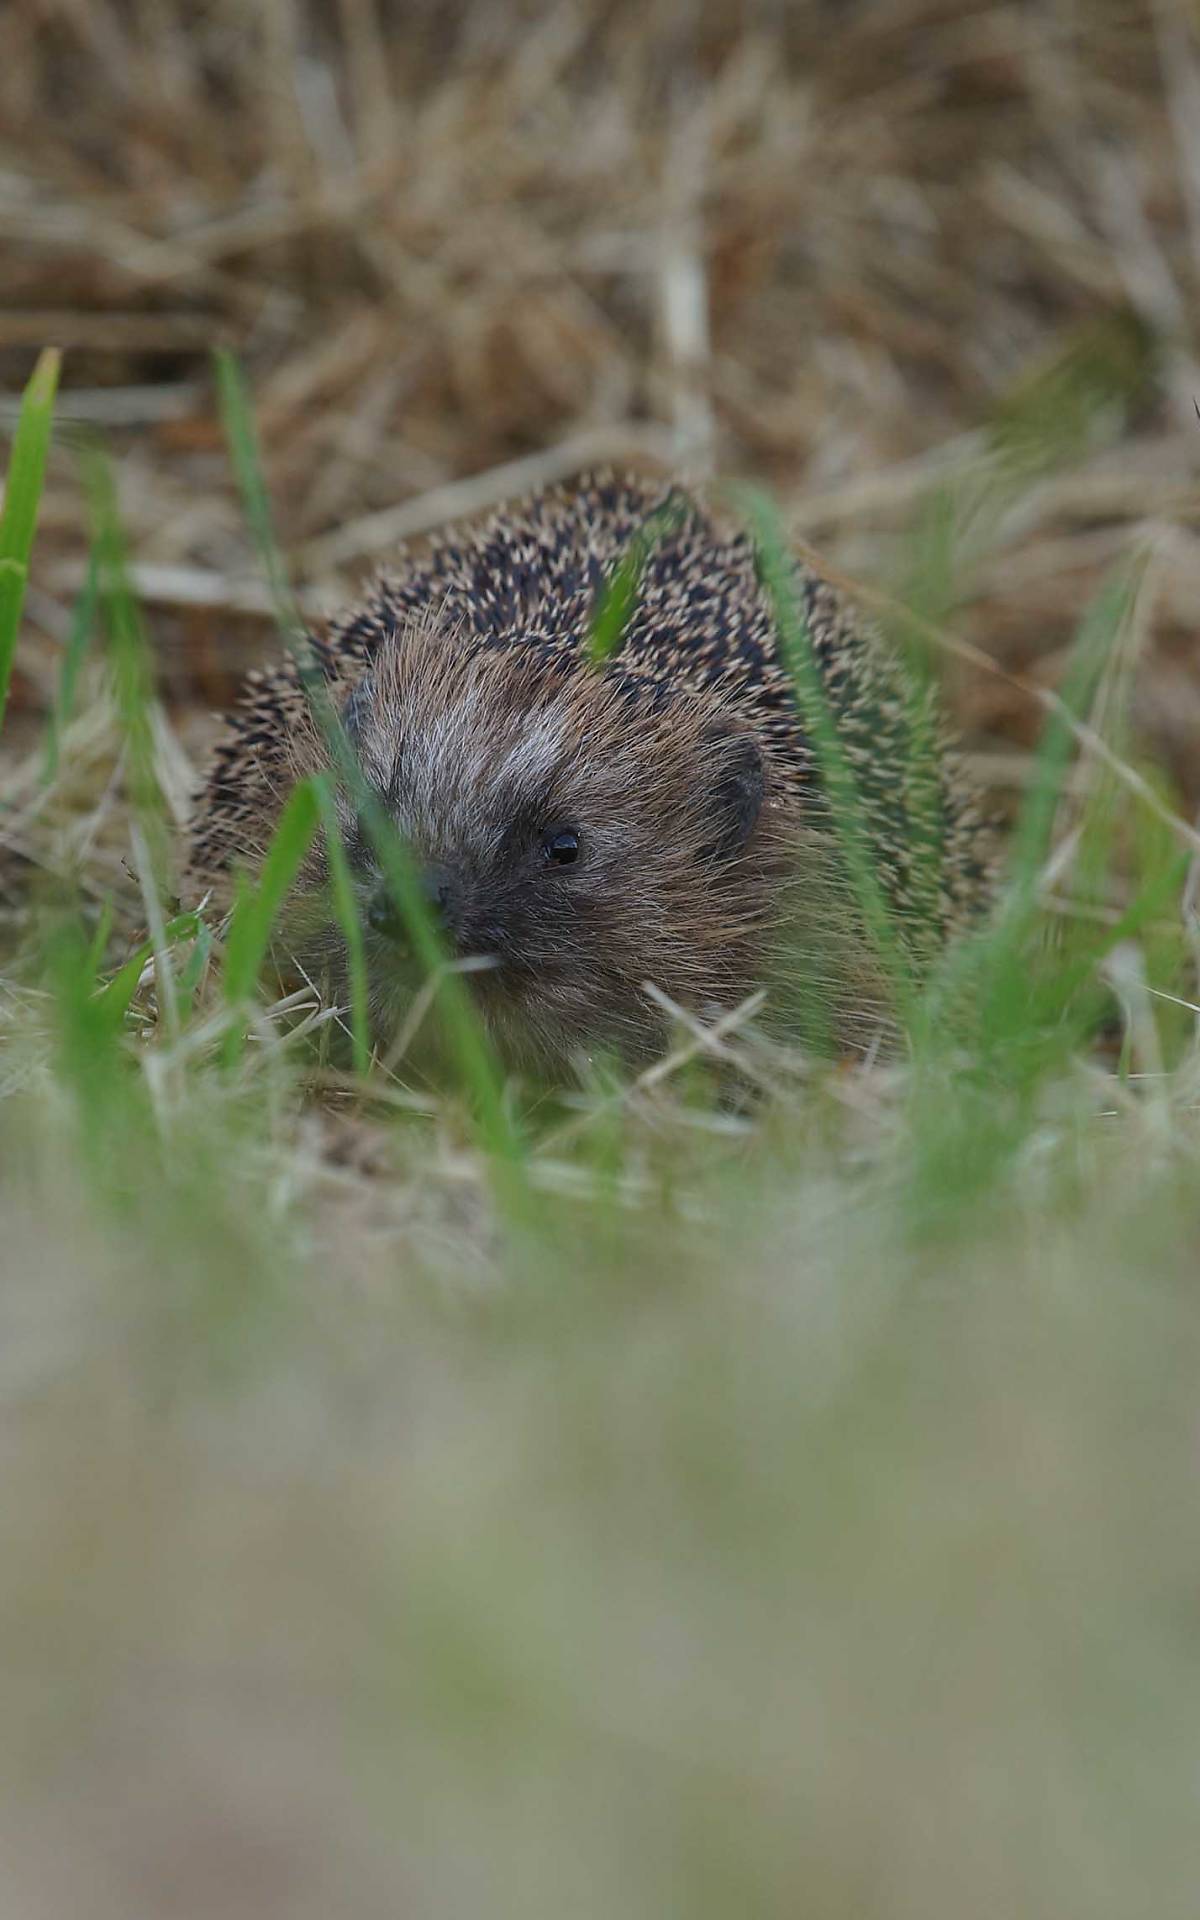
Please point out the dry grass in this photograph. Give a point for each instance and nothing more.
(819, 246)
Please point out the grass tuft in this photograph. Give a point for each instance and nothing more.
(22, 496)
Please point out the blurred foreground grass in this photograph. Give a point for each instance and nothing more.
(788, 1509)
(758, 1565)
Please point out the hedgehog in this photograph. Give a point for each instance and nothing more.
(605, 841)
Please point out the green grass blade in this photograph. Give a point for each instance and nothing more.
(116, 995)
(1094, 643)
(98, 946)
(83, 619)
(237, 418)
(1026, 990)
(257, 907)
(617, 602)
(193, 972)
(998, 967)
(130, 663)
(22, 495)
(469, 1043)
(1083, 387)
(114, 1119)
(848, 812)
(346, 909)
(1159, 891)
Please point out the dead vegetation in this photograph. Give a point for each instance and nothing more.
(839, 248)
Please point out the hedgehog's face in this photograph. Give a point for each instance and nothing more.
(573, 841)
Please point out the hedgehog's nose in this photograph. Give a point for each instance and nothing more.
(385, 917)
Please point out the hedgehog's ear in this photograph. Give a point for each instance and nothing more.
(737, 789)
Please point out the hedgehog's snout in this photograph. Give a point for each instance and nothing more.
(440, 893)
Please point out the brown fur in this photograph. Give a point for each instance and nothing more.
(706, 863)
(477, 756)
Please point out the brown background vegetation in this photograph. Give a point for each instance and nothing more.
(830, 246)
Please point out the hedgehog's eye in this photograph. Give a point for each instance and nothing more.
(560, 846)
